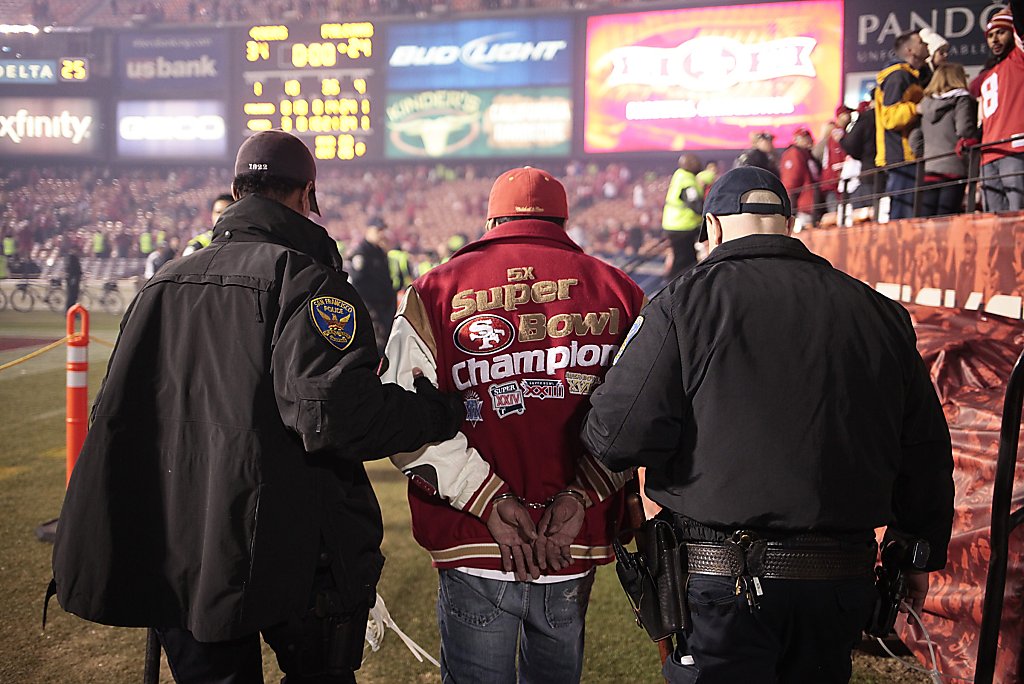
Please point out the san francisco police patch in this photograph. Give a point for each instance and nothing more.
(335, 319)
(629, 338)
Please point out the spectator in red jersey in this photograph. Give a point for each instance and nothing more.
(833, 156)
(999, 37)
(800, 170)
(1002, 113)
(949, 118)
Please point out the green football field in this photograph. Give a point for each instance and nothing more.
(70, 650)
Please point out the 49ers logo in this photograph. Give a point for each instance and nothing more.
(484, 334)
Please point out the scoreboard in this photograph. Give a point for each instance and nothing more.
(317, 81)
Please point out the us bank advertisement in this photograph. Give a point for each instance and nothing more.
(172, 63)
(479, 88)
(706, 78)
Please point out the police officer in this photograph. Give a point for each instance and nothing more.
(782, 412)
(203, 239)
(371, 276)
(220, 493)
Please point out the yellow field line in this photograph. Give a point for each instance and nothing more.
(93, 338)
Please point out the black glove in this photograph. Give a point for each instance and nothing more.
(450, 406)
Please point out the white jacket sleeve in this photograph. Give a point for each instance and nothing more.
(452, 470)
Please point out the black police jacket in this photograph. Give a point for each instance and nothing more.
(765, 389)
(226, 446)
(371, 276)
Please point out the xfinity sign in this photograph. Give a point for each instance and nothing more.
(51, 127)
(67, 126)
(480, 53)
(171, 129)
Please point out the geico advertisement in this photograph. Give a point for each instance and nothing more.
(52, 127)
(171, 128)
(706, 78)
(169, 62)
(480, 123)
(480, 54)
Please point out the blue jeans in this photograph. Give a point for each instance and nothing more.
(1003, 194)
(486, 623)
(899, 185)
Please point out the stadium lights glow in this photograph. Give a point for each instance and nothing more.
(19, 28)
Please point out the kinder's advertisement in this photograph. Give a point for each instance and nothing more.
(706, 78)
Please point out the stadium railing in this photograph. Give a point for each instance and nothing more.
(877, 178)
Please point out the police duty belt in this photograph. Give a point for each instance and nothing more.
(748, 556)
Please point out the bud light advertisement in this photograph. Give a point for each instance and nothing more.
(480, 53)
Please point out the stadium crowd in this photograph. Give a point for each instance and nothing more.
(916, 144)
(192, 12)
(128, 212)
(919, 138)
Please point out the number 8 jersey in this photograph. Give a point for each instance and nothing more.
(1002, 106)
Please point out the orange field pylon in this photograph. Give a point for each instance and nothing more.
(78, 384)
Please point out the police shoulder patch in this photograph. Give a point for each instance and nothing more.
(629, 338)
(335, 320)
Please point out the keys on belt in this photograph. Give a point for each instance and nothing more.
(748, 558)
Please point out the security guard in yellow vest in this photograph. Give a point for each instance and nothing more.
(217, 207)
(145, 242)
(99, 244)
(400, 265)
(10, 249)
(682, 215)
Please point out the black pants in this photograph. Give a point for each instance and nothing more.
(683, 254)
(301, 645)
(803, 631)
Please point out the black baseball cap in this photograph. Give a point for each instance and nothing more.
(725, 196)
(281, 154)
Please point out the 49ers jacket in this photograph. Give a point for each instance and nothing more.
(524, 325)
(227, 441)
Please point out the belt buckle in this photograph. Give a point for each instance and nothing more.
(753, 549)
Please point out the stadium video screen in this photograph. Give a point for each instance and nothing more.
(706, 78)
(318, 81)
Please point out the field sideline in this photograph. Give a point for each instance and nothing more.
(72, 651)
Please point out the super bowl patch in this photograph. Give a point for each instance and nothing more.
(581, 383)
(335, 319)
(629, 338)
(473, 404)
(543, 389)
(507, 399)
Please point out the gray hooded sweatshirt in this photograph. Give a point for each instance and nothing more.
(945, 119)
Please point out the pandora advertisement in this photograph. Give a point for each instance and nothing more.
(706, 78)
(51, 127)
(171, 129)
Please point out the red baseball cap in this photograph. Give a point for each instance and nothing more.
(527, 192)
